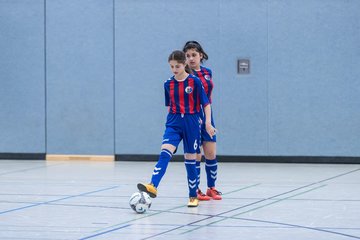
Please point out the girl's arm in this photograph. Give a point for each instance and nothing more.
(209, 128)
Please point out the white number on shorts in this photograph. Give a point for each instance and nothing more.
(195, 145)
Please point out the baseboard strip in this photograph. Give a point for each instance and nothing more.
(64, 157)
(22, 156)
(251, 159)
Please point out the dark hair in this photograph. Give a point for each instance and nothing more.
(197, 47)
(177, 55)
(180, 57)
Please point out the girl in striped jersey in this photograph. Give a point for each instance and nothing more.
(186, 99)
(195, 56)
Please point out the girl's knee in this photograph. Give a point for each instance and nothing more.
(190, 156)
(168, 147)
(210, 154)
(209, 150)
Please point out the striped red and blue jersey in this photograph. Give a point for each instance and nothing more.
(205, 75)
(185, 96)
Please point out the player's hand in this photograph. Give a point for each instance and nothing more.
(210, 129)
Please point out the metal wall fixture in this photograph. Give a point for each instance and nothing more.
(243, 66)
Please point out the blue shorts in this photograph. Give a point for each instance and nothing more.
(184, 127)
(204, 135)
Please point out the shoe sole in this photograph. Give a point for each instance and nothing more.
(143, 188)
(206, 199)
(216, 198)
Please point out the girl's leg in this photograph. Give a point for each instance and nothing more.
(161, 166)
(198, 168)
(200, 195)
(211, 167)
(159, 170)
(191, 140)
(190, 164)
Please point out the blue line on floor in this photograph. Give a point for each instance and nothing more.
(56, 200)
(102, 233)
(28, 169)
(114, 229)
(270, 198)
(299, 226)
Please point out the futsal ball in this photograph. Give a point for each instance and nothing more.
(140, 202)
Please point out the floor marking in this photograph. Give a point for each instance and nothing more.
(56, 200)
(167, 211)
(145, 216)
(102, 233)
(281, 199)
(300, 226)
(28, 169)
(296, 189)
(240, 189)
(253, 209)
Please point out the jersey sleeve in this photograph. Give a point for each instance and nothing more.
(167, 95)
(210, 72)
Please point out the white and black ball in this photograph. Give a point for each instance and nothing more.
(140, 202)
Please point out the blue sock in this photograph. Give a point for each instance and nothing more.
(211, 172)
(160, 167)
(191, 176)
(198, 168)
